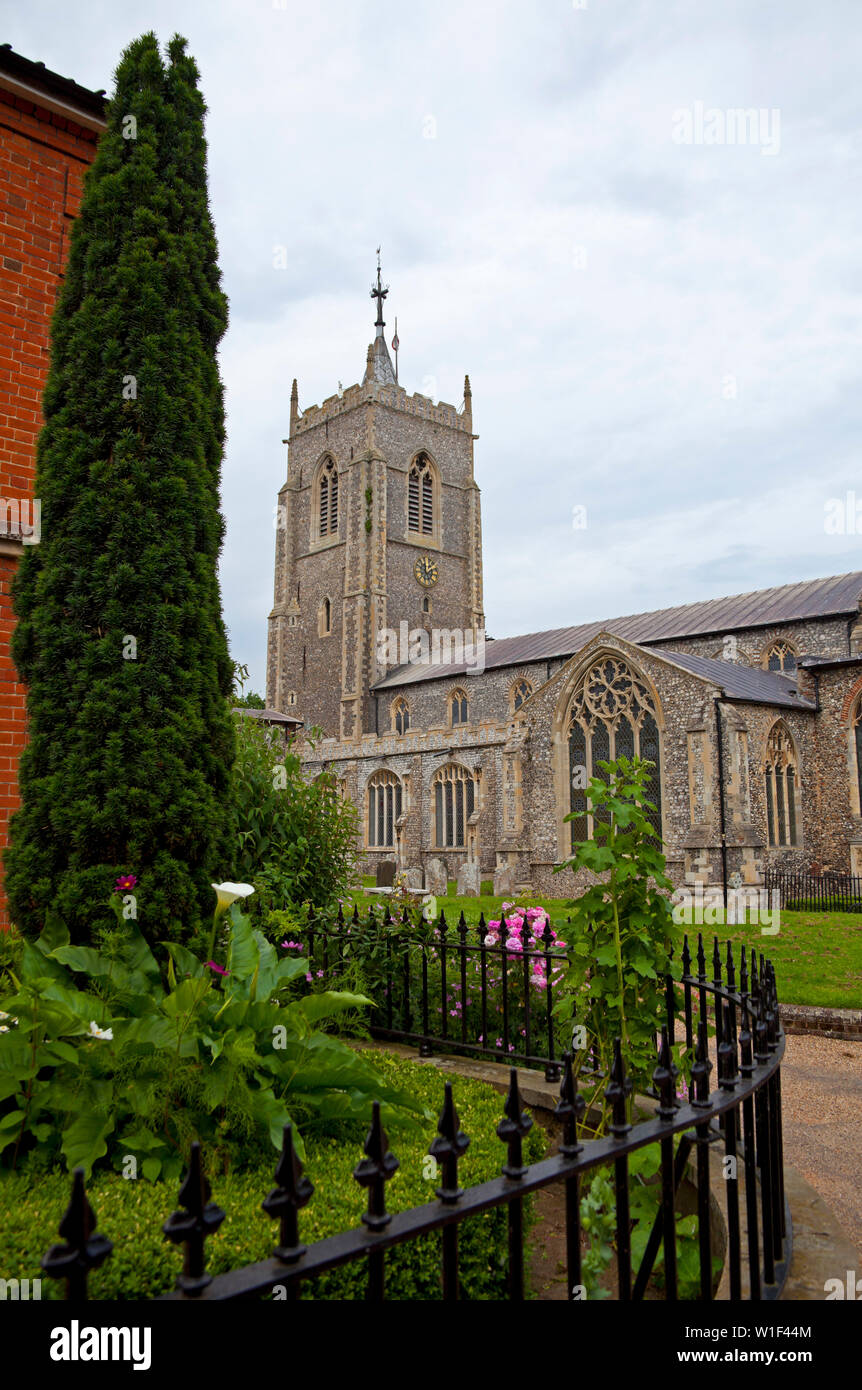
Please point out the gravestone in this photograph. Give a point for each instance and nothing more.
(412, 880)
(385, 873)
(504, 881)
(436, 878)
(469, 879)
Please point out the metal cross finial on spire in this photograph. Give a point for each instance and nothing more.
(379, 292)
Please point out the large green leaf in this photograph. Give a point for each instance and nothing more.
(244, 952)
(328, 1004)
(85, 1140)
(185, 962)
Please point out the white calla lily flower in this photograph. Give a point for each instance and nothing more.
(228, 893)
(97, 1032)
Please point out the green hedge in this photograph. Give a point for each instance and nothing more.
(143, 1265)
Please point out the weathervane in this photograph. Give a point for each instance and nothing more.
(379, 292)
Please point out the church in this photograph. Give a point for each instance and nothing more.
(464, 756)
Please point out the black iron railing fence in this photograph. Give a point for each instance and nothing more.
(826, 892)
(464, 989)
(741, 1119)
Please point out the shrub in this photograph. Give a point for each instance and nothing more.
(294, 840)
(144, 1265)
(120, 637)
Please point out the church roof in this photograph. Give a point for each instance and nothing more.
(812, 599)
(741, 682)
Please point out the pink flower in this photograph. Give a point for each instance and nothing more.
(217, 969)
(291, 945)
(124, 883)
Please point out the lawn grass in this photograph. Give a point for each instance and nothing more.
(817, 955)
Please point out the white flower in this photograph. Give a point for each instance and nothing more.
(228, 893)
(97, 1032)
(3, 1028)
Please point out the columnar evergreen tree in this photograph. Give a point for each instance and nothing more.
(120, 636)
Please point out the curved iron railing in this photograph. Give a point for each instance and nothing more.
(741, 1118)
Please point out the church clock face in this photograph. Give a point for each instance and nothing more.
(426, 571)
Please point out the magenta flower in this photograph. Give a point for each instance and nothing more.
(216, 968)
(291, 945)
(125, 882)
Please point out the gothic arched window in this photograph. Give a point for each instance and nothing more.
(454, 803)
(458, 707)
(384, 808)
(612, 714)
(856, 727)
(400, 715)
(327, 500)
(421, 501)
(780, 656)
(781, 773)
(521, 691)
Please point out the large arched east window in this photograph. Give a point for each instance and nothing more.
(327, 500)
(612, 714)
(454, 803)
(384, 808)
(421, 507)
(781, 773)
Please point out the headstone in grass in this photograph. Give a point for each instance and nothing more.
(436, 878)
(504, 881)
(385, 873)
(469, 880)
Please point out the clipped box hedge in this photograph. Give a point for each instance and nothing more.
(143, 1265)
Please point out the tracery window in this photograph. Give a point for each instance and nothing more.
(781, 774)
(857, 745)
(454, 803)
(521, 691)
(458, 707)
(781, 656)
(420, 497)
(327, 500)
(385, 794)
(400, 716)
(612, 714)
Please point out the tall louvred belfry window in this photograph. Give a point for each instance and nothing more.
(420, 498)
(612, 714)
(781, 773)
(327, 500)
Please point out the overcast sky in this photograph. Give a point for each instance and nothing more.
(659, 308)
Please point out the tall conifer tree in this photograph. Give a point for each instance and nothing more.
(120, 636)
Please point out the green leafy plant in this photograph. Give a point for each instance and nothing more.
(294, 840)
(109, 1055)
(620, 956)
(598, 1223)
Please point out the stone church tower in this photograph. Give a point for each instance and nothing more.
(378, 524)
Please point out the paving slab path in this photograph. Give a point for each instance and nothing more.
(821, 1101)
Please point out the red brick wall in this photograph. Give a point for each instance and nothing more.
(43, 157)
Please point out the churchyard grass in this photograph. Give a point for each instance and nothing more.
(817, 955)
